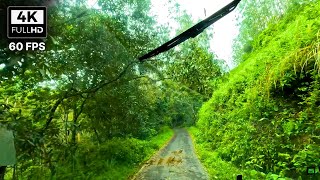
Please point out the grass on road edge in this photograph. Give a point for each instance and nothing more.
(215, 166)
(155, 143)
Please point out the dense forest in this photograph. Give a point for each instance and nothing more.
(86, 108)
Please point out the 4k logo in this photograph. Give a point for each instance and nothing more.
(27, 22)
(29, 17)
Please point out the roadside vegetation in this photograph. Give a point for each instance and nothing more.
(117, 158)
(216, 167)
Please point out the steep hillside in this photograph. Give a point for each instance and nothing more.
(265, 114)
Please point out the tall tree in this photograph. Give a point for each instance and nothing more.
(193, 64)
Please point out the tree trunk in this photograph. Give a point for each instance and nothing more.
(74, 128)
(2, 172)
(97, 135)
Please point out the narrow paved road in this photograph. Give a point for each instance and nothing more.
(177, 161)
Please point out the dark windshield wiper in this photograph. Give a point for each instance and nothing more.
(193, 31)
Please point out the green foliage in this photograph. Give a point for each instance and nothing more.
(192, 64)
(255, 16)
(121, 157)
(117, 158)
(217, 167)
(86, 92)
(264, 115)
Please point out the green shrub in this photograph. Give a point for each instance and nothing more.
(116, 158)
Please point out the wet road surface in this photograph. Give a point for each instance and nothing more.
(176, 161)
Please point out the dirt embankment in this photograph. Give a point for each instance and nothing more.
(176, 161)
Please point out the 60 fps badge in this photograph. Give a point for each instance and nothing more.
(27, 22)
